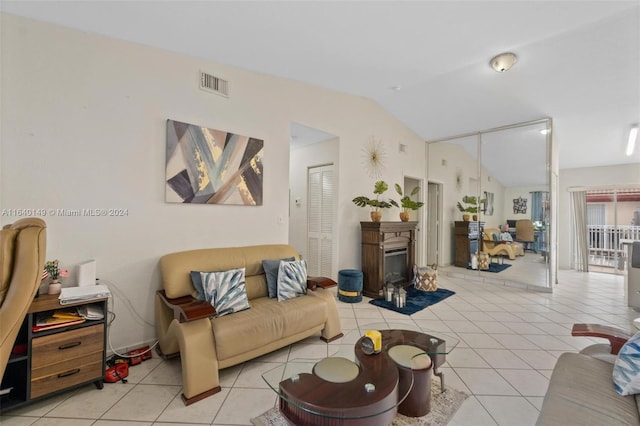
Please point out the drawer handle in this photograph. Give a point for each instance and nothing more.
(69, 345)
(69, 373)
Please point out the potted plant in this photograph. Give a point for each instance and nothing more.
(379, 188)
(406, 203)
(471, 206)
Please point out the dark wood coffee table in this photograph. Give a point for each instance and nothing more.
(306, 399)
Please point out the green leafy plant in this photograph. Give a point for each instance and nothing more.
(471, 204)
(379, 188)
(406, 203)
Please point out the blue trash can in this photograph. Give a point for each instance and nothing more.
(350, 285)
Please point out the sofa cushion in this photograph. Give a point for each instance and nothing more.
(581, 393)
(292, 279)
(271, 267)
(225, 290)
(626, 369)
(267, 321)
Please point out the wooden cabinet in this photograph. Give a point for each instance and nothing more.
(468, 239)
(388, 254)
(48, 361)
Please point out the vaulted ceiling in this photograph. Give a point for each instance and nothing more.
(426, 62)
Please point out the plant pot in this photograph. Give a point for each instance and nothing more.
(376, 216)
(466, 217)
(55, 287)
(404, 216)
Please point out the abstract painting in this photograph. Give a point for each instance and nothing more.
(208, 166)
(520, 205)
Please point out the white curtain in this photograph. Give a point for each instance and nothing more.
(580, 261)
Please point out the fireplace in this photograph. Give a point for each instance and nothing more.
(395, 266)
(388, 254)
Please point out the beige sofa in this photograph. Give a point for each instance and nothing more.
(206, 343)
(581, 391)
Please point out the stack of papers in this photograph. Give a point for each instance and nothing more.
(59, 318)
(90, 312)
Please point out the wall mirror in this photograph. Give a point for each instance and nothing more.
(508, 171)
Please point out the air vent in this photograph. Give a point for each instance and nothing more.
(214, 84)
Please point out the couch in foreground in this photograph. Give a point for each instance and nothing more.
(581, 390)
(207, 342)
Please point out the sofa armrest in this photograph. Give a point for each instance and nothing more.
(616, 336)
(187, 308)
(323, 282)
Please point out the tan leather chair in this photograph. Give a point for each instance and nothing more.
(22, 253)
(524, 233)
(493, 248)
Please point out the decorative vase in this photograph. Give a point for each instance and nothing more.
(475, 217)
(55, 287)
(404, 216)
(376, 216)
(466, 217)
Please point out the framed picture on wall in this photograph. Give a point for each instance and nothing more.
(209, 166)
(520, 205)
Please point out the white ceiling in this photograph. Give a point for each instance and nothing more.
(579, 61)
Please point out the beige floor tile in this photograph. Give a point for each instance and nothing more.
(538, 359)
(510, 411)
(89, 402)
(485, 381)
(472, 413)
(527, 382)
(502, 358)
(467, 358)
(199, 412)
(242, 405)
(143, 403)
(169, 373)
(53, 421)
(17, 420)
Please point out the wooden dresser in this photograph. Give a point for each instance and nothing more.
(52, 360)
(468, 239)
(386, 245)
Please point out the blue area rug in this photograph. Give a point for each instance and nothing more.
(495, 267)
(417, 300)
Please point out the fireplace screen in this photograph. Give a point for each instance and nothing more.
(395, 266)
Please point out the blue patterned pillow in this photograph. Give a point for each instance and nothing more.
(225, 290)
(196, 280)
(626, 370)
(271, 274)
(292, 279)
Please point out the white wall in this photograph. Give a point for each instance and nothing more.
(623, 174)
(86, 129)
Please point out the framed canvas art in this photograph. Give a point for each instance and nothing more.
(209, 166)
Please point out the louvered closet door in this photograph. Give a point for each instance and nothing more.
(320, 221)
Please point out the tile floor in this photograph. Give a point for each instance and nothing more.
(510, 339)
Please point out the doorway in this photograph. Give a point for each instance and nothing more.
(313, 187)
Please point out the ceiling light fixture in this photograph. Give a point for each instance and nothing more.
(503, 62)
(633, 136)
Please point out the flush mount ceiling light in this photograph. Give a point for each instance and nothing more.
(503, 62)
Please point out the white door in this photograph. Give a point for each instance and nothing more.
(320, 221)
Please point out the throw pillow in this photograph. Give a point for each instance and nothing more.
(196, 280)
(292, 279)
(271, 274)
(505, 236)
(626, 369)
(226, 291)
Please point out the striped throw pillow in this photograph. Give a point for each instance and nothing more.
(226, 291)
(292, 279)
(626, 369)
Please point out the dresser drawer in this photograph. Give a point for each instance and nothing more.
(60, 347)
(73, 374)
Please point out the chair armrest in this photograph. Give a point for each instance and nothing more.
(187, 308)
(324, 282)
(616, 336)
